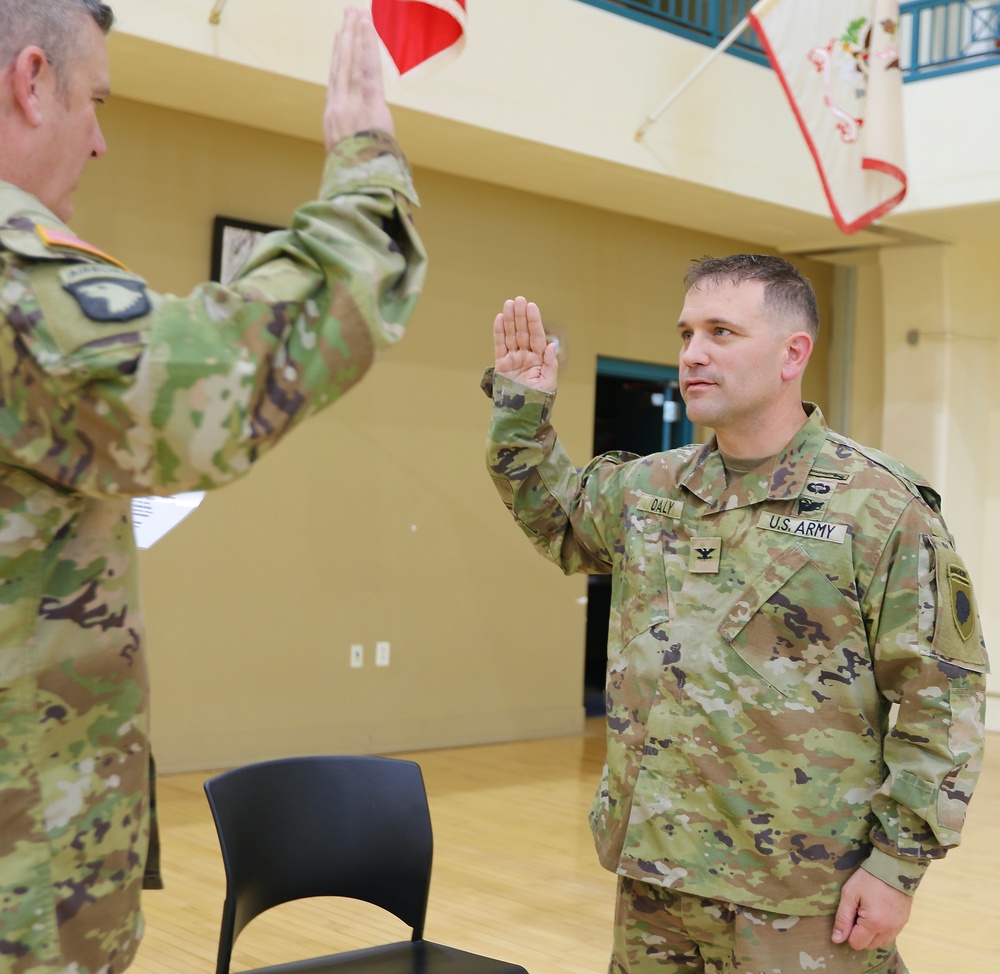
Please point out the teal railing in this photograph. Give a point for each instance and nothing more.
(945, 36)
(704, 21)
(937, 36)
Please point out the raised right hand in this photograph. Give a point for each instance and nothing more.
(355, 99)
(522, 351)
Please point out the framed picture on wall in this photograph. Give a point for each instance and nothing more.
(232, 241)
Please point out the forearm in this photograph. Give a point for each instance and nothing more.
(550, 501)
(356, 242)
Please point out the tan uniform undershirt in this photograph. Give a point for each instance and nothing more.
(739, 466)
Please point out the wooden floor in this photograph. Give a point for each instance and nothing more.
(515, 874)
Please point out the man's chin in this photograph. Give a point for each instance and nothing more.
(698, 410)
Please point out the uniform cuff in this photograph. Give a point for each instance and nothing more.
(530, 405)
(366, 160)
(903, 874)
(501, 387)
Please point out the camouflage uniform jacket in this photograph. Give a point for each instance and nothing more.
(108, 390)
(759, 633)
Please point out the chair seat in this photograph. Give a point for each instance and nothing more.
(407, 957)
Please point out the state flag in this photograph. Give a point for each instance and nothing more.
(838, 62)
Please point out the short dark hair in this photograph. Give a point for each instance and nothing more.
(52, 25)
(786, 291)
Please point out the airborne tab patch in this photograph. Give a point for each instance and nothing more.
(106, 293)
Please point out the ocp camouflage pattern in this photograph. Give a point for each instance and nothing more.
(108, 391)
(759, 634)
(658, 929)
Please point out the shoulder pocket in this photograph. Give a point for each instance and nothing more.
(957, 635)
(51, 324)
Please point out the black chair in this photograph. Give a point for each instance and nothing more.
(333, 826)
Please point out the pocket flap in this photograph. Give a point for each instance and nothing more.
(777, 573)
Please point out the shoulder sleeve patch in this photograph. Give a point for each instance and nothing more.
(957, 634)
(106, 293)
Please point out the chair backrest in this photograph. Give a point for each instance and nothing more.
(322, 826)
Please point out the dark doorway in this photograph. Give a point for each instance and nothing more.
(638, 408)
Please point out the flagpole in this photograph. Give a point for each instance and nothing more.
(727, 41)
(215, 17)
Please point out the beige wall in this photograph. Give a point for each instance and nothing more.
(376, 521)
(942, 403)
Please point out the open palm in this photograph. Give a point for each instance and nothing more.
(522, 351)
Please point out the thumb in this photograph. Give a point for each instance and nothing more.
(847, 914)
(550, 365)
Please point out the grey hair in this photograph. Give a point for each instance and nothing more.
(52, 25)
(786, 291)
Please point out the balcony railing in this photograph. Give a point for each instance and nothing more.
(944, 36)
(937, 36)
(704, 21)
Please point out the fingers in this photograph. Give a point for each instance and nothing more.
(521, 350)
(499, 338)
(870, 913)
(873, 932)
(343, 48)
(355, 98)
(537, 340)
(522, 326)
(521, 333)
(373, 86)
(847, 914)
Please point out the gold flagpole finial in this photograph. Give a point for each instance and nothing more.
(215, 17)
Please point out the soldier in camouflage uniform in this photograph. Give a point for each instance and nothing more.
(774, 593)
(108, 390)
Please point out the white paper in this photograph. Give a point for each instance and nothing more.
(153, 517)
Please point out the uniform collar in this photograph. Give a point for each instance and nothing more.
(707, 477)
(16, 204)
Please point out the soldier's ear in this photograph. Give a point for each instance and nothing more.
(31, 75)
(798, 348)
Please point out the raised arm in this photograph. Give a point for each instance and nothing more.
(132, 392)
(522, 351)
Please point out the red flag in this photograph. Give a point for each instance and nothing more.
(838, 61)
(420, 32)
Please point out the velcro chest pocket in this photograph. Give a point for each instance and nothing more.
(796, 629)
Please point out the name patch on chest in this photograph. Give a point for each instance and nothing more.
(650, 504)
(804, 528)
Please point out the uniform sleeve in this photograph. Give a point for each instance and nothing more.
(188, 394)
(563, 512)
(930, 660)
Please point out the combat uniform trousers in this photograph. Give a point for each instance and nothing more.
(658, 931)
